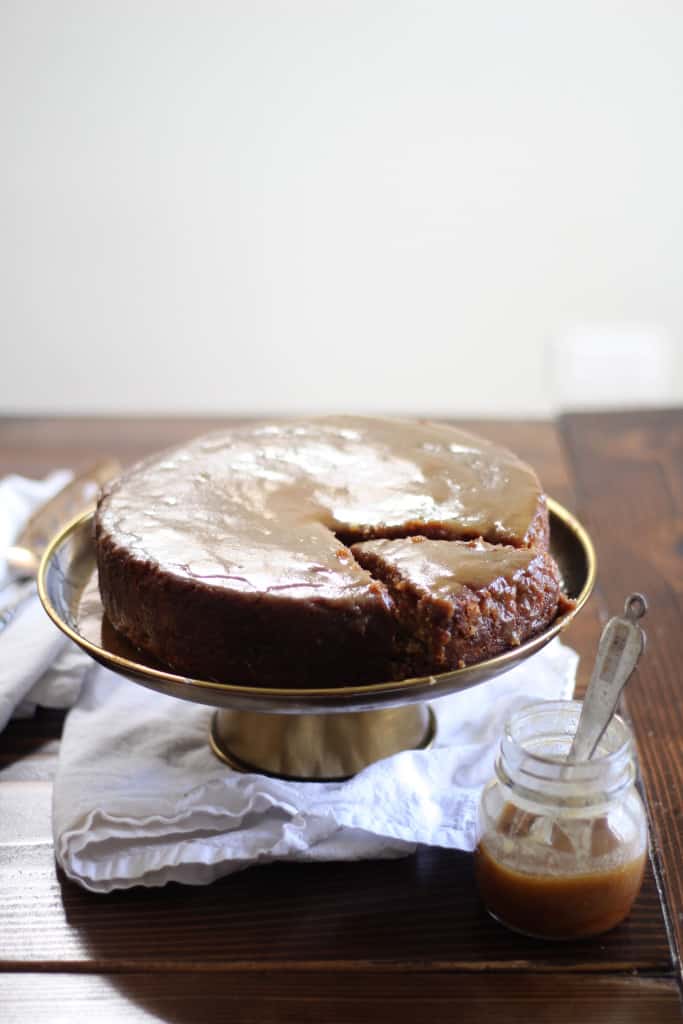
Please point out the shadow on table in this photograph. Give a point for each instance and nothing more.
(175, 949)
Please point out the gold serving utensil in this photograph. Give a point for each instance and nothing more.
(23, 557)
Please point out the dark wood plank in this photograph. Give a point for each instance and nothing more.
(372, 998)
(420, 912)
(629, 473)
(36, 445)
(25, 736)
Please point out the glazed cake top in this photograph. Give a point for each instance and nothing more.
(443, 568)
(257, 508)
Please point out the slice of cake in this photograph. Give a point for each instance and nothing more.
(461, 602)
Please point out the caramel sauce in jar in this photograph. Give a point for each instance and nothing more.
(562, 846)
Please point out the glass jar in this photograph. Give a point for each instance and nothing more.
(562, 845)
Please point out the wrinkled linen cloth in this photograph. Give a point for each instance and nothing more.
(38, 664)
(139, 798)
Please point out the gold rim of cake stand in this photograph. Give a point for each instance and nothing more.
(337, 693)
(371, 734)
(238, 764)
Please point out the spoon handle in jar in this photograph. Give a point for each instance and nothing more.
(621, 644)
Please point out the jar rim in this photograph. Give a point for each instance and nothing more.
(599, 761)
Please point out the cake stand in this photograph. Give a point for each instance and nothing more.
(319, 734)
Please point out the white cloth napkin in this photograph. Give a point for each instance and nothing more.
(139, 798)
(38, 665)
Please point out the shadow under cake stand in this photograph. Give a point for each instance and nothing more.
(306, 734)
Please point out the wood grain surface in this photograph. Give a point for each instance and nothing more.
(628, 470)
(403, 940)
(421, 911)
(316, 998)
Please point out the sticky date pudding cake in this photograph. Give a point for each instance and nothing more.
(324, 552)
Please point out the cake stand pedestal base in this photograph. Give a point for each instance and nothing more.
(318, 747)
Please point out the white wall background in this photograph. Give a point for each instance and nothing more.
(248, 205)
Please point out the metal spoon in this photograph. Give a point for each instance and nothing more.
(621, 644)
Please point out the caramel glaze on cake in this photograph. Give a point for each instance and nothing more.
(229, 558)
(461, 601)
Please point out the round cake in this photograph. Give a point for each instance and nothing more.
(331, 551)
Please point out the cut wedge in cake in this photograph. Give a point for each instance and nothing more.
(461, 602)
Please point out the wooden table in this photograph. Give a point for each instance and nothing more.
(385, 941)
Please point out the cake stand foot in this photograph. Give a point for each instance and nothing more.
(318, 748)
